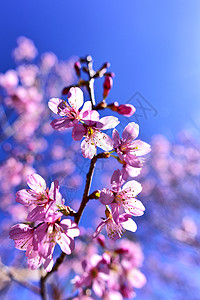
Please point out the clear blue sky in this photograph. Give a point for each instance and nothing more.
(153, 47)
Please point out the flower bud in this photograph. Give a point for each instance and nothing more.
(101, 240)
(65, 91)
(77, 67)
(108, 82)
(126, 109)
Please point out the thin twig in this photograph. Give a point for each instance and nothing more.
(16, 278)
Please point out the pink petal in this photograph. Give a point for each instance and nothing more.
(62, 123)
(27, 197)
(70, 227)
(108, 122)
(53, 104)
(135, 207)
(36, 183)
(54, 193)
(99, 229)
(103, 141)
(37, 214)
(87, 106)
(130, 132)
(64, 243)
(140, 148)
(78, 132)
(130, 225)
(116, 180)
(90, 117)
(98, 287)
(132, 188)
(106, 197)
(88, 148)
(75, 97)
(116, 138)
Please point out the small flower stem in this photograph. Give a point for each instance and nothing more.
(91, 74)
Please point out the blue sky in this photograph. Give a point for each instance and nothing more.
(153, 47)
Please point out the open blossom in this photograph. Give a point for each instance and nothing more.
(41, 198)
(124, 196)
(128, 148)
(96, 273)
(39, 242)
(94, 137)
(116, 224)
(70, 113)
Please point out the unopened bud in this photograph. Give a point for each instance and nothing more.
(77, 67)
(108, 83)
(126, 110)
(101, 240)
(110, 74)
(65, 91)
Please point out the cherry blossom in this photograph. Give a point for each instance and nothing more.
(70, 113)
(124, 196)
(40, 197)
(94, 137)
(116, 225)
(128, 148)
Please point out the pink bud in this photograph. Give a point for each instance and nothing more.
(101, 240)
(65, 91)
(108, 83)
(126, 109)
(77, 67)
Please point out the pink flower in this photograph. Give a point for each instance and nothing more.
(94, 137)
(39, 242)
(128, 148)
(96, 273)
(70, 113)
(124, 196)
(115, 224)
(43, 200)
(47, 235)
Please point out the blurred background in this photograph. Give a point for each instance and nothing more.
(154, 51)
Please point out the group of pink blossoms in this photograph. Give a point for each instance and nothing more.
(120, 201)
(39, 241)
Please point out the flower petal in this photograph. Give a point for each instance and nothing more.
(62, 123)
(131, 189)
(103, 141)
(36, 183)
(108, 122)
(106, 197)
(130, 132)
(75, 98)
(78, 132)
(130, 225)
(116, 138)
(88, 148)
(99, 229)
(53, 104)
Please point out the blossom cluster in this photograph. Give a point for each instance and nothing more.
(39, 240)
(112, 274)
(87, 123)
(50, 222)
